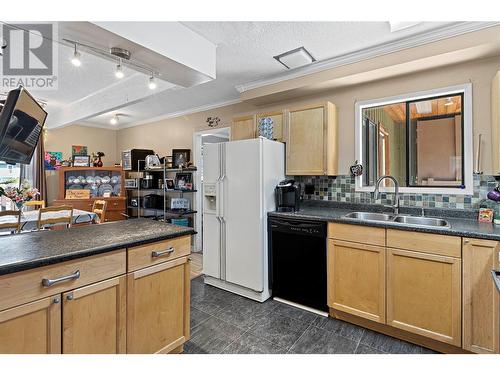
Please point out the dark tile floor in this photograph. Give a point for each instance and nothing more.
(223, 322)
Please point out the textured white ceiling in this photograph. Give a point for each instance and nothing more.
(245, 53)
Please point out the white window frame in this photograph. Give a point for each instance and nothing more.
(466, 90)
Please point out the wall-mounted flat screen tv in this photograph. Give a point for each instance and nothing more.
(21, 123)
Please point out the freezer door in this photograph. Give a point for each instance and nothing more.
(211, 162)
(243, 215)
(211, 245)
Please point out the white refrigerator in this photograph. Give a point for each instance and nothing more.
(239, 178)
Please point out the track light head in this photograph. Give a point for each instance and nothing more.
(75, 60)
(119, 71)
(152, 83)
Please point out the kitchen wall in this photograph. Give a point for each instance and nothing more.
(61, 139)
(177, 132)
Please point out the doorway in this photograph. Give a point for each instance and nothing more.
(199, 139)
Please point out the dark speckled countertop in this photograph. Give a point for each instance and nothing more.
(463, 223)
(30, 250)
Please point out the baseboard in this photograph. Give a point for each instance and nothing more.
(236, 289)
(398, 333)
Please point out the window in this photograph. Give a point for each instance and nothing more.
(422, 139)
(9, 176)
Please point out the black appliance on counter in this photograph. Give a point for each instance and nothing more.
(131, 158)
(287, 196)
(152, 201)
(298, 261)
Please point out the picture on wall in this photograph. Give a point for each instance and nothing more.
(52, 160)
(180, 158)
(79, 150)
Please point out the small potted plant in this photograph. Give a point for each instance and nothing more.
(20, 195)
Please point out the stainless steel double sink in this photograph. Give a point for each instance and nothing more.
(420, 221)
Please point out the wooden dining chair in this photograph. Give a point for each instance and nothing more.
(99, 208)
(35, 204)
(15, 225)
(59, 219)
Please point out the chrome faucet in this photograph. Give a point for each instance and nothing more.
(395, 205)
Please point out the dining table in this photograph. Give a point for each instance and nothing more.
(29, 219)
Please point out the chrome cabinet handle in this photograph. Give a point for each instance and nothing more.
(70, 297)
(156, 254)
(466, 241)
(56, 300)
(50, 282)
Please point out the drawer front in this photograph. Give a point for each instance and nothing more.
(114, 216)
(26, 286)
(357, 233)
(116, 205)
(158, 252)
(425, 242)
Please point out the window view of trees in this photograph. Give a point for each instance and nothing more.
(9, 176)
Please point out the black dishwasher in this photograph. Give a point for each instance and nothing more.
(298, 261)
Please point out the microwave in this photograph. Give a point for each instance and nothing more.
(131, 183)
(131, 158)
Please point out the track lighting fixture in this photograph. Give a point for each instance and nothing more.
(152, 83)
(119, 70)
(114, 120)
(75, 60)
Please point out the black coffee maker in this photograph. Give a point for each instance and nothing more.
(287, 196)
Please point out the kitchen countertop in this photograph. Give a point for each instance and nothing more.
(35, 249)
(462, 223)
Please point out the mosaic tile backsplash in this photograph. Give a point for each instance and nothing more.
(342, 189)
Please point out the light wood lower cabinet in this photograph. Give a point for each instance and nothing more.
(158, 307)
(32, 328)
(424, 294)
(356, 279)
(480, 299)
(94, 318)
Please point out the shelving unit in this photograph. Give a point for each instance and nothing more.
(159, 213)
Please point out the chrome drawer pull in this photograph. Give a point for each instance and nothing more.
(50, 282)
(156, 254)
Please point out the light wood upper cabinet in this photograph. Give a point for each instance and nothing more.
(356, 279)
(311, 140)
(495, 123)
(278, 119)
(424, 294)
(480, 299)
(94, 318)
(244, 127)
(158, 307)
(32, 328)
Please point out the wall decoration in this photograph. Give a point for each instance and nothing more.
(79, 150)
(213, 122)
(356, 169)
(81, 161)
(266, 127)
(52, 160)
(180, 158)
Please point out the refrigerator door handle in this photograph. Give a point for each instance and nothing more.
(222, 179)
(223, 249)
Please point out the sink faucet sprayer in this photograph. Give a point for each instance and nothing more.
(395, 205)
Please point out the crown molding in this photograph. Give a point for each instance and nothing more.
(420, 39)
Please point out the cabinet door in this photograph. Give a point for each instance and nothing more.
(480, 299)
(158, 307)
(94, 318)
(243, 128)
(277, 118)
(356, 279)
(424, 294)
(305, 141)
(32, 328)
